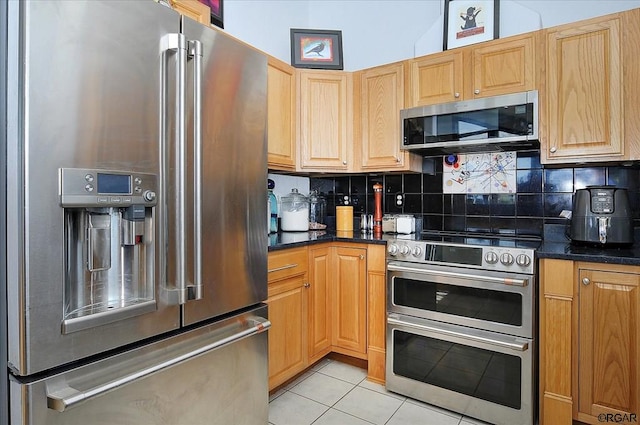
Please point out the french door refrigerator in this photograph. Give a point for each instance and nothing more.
(136, 245)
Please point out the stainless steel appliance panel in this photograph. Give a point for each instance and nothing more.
(214, 375)
(88, 97)
(234, 264)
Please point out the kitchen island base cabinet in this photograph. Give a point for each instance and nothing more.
(590, 341)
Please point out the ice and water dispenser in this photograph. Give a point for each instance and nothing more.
(109, 245)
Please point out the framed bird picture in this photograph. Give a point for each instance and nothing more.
(318, 49)
(469, 22)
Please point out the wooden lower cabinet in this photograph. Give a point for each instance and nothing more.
(608, 342)
(287, 348)
(589, 342)
(350, 302)
(287, 301)
(319, 312)
(334, 302)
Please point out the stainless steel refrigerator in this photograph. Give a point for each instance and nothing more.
(136, 245)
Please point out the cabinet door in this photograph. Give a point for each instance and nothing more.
(503, 67)
(608, 344)
(287, 343)
(281, 107)
(193, 9)
(381, 99)
(325, 100)
(350, 301)
(319, 316)
(436, 78)
(584, 93)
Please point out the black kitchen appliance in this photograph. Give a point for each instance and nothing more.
(601, 215)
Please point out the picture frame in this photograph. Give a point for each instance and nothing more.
(216, 11)
(470, 21)
(316, 49)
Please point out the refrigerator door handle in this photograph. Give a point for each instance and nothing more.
(64, 396)
(179, 44)
(195, 53)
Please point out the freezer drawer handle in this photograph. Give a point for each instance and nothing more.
(67, 397)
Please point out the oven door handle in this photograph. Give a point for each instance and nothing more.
(407, 322)
(500, 280)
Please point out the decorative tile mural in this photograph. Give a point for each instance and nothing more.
(483, 173)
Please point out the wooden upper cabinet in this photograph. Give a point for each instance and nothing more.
(436, 78)
(503, 66)
(193, 9)
(584, 92)
(608, 342)
(492, 68)
(379, 101)
(281, 114)
(325, 120)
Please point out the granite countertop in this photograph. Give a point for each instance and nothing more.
(557, 245)
(284, 240)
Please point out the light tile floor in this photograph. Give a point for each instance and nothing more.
(335, 393)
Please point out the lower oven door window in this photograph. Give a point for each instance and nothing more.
(485, 375)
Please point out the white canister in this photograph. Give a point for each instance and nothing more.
(294, 212)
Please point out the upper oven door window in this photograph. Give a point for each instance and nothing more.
(466, 299)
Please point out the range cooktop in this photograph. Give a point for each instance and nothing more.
(490, 252)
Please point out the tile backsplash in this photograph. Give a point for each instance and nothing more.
(541, 194)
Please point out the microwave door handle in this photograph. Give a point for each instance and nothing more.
(178, 43)
(458, 275)
(196, 290)
(407, 322)
(65, 397)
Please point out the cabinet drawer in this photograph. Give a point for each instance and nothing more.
(286, 263)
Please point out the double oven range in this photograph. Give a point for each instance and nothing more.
(461, 325)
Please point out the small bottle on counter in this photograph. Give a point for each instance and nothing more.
(273, 207)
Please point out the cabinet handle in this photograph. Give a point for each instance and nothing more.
(344, 162)
(553, 149)
(456, 95)
(586, 281)
(476, 91)
(277, 269)
(361, 257)
(397, 159)
(307, 285)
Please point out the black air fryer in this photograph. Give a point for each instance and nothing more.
(601, 215)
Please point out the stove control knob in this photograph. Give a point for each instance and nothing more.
(392, 249)
(523, 260)
(405, 250)
(416, 251)
(506, 259)
(491, 257)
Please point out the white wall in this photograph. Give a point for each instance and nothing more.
(375, 32)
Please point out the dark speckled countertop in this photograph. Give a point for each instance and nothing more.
(284, 240)
(557, 245)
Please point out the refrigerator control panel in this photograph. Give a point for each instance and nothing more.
(82, 187)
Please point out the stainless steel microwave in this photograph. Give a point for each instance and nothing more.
(508, 122)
